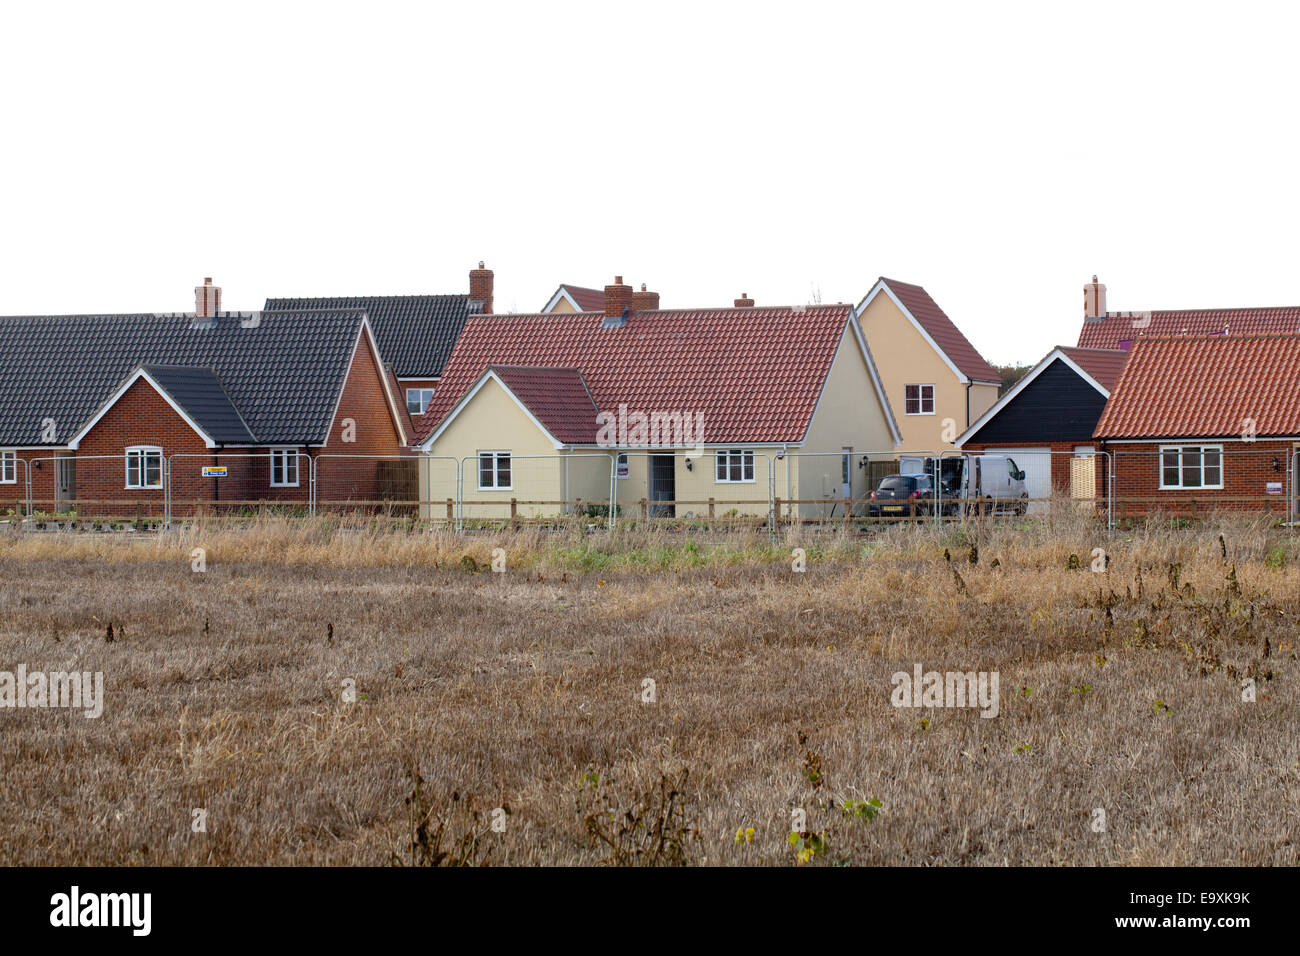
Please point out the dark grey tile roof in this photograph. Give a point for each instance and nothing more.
(204, 398)
(415, 333)
(283, 371)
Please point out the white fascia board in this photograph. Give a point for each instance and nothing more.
(138, 374)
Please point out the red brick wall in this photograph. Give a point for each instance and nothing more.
(339, 479)
(1247, 467)
(140, 417)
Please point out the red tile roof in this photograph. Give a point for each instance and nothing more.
(942, 330)
(755, 373)
(1206, 387)
(557, 397)
(1118, 330)
(1104, 365)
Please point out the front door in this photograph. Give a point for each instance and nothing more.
(846, 473)
(663, 485)
(65, 482)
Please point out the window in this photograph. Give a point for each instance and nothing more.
(918, 399)
(621, 469)
(1191, 466)
(284, 468)
(735, 464)
(494, 471)
(417, 400)
(144, 467)
(8, 467)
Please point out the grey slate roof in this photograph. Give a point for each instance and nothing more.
(199, 391)
(283, 373)
(415, 333)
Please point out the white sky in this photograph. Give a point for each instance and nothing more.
(998, 154)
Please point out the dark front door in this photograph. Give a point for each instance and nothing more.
(663, 485)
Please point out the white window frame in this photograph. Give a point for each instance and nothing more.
(920, 398)
(497, 454)
(622, 466)
(8, 463)
(141, 452)
(722, 461)
(425, 396)
(285, 455)
(1209, 446)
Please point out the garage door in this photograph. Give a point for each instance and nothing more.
(1036, 463)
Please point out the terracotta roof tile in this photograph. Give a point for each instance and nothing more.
(941, 328)
(1206, 387)
(1119, 330)
(755, 373)
(1104, 365)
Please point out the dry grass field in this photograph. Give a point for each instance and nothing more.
(1121, 690)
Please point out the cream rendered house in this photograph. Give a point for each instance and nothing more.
(936, 381)
(715, 410)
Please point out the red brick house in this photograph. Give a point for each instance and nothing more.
(96, 405)
(415, 333)
(1205, 422)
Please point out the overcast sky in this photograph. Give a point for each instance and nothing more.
(998, 154)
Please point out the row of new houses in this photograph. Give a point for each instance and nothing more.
(808, 403)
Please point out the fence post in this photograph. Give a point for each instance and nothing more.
(514, 514)
(645, 510)
(776, 513)
(451, 517)
(848, 512)
(710, 509)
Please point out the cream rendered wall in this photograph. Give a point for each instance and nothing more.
(563, 306)
(904, 357)
(493, 421)
(982, 398)
(849, 414)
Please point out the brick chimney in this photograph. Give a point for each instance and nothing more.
(617, 297)
(207, 299)
(744, 302)
(644, 301)
(480, 286)
(1094, 300)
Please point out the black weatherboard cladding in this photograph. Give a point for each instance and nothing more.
(284, 373)
(1056, 406)
(415, 333)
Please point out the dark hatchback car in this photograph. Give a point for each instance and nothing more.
(901, 496)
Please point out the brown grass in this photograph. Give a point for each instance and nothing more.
(523, 691)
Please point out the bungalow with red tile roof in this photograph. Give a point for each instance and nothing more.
(936, 381)
(682, 405)
(1206, 421)
(1046, 421)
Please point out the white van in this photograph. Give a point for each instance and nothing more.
(994, 479)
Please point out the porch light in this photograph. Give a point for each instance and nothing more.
(689, 465)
